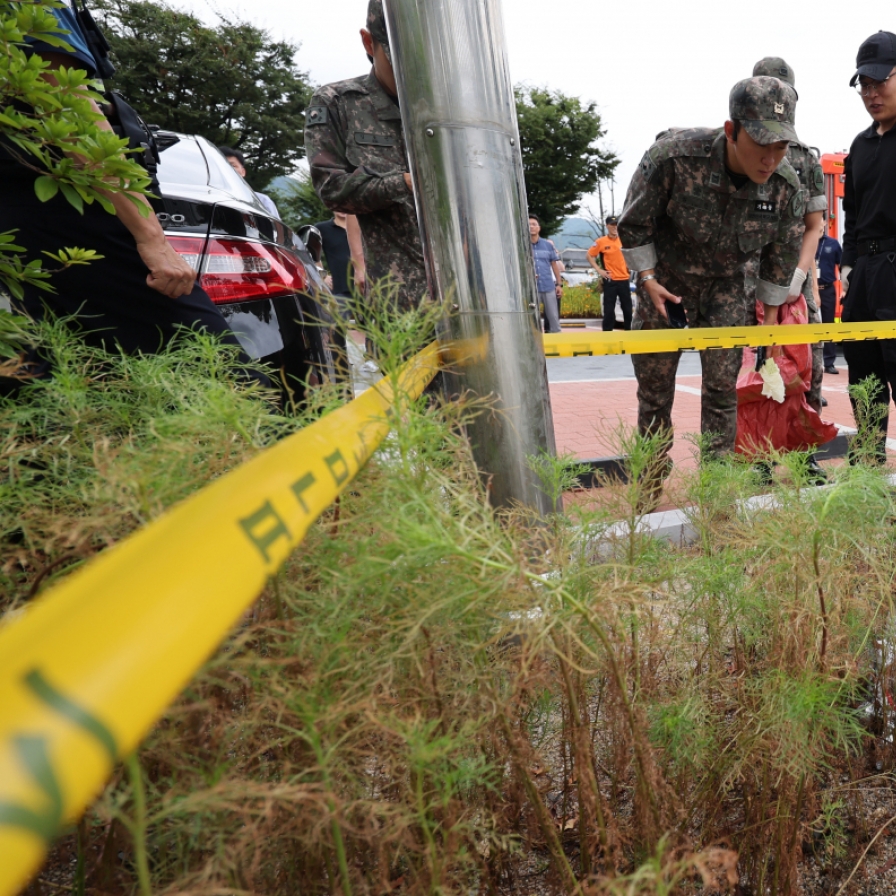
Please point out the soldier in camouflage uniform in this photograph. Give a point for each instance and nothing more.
(703, 205)
(359, 165)
(805, 162)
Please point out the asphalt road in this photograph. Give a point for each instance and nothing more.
(607, 367)
(586, 369)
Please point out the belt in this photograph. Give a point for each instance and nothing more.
(825, 285)
(874, 247)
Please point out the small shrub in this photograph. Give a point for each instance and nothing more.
(581, 301)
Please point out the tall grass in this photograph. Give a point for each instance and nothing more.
(109, 442)
(432, 698)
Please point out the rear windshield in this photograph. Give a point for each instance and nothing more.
(222, 176)
(183, 163)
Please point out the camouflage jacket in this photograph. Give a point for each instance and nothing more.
(357, 153)
(683, 213)
(808, 169)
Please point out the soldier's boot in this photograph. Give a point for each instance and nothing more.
(815, 473)
(764, 473)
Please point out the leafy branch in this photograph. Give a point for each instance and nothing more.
(50, 125)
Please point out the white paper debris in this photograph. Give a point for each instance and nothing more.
(772, 383)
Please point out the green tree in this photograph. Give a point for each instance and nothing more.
(562, 160)
(52, 130)
(299, 204)
(231, 83)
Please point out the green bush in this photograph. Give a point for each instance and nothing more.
(581, 301)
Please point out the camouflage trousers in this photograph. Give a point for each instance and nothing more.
(813, 396)
(708, 303)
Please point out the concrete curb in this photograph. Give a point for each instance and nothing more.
(675, 526)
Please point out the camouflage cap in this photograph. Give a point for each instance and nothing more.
(775, 67)
(765, 107)
(376, 25)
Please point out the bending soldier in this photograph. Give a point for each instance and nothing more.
(704, 205)
(805, 162)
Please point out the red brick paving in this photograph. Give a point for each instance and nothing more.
(585, 414)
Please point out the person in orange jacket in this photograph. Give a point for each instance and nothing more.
(614, 271)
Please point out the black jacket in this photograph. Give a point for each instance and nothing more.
(869, 203)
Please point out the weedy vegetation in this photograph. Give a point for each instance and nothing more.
(432, 698)
(582, 300)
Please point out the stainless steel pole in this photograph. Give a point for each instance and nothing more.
(459, 118)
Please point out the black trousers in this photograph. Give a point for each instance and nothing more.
(827, 292)
(109, 299)
(872, 296)
(613, 290)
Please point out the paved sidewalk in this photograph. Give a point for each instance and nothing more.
(587, 413)
(588, 410)
(589, 407)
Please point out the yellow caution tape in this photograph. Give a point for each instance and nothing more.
(90, 667)
(634, 342)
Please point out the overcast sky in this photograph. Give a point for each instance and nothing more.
(649, 65)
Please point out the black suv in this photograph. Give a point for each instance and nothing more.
(255, 269)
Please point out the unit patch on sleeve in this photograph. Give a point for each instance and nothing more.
(316, 115)
(648, 166)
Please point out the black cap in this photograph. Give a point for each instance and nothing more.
(612, 219)
(876, 57)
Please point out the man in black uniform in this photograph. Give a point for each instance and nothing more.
(141, 291)
(868, 271)
(828, 258)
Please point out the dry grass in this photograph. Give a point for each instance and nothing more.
(432, 700)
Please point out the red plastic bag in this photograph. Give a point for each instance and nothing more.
(763, 423)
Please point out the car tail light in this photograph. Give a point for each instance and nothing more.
(240, 270)
(189, 248)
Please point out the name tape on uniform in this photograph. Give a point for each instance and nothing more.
(633, 342)
(94, 662)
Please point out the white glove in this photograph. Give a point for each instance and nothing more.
(844, 279)
(796, 284)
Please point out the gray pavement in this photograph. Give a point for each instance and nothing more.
(589, 369)
(585, 369)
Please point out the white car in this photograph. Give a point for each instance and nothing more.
(577, 277)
